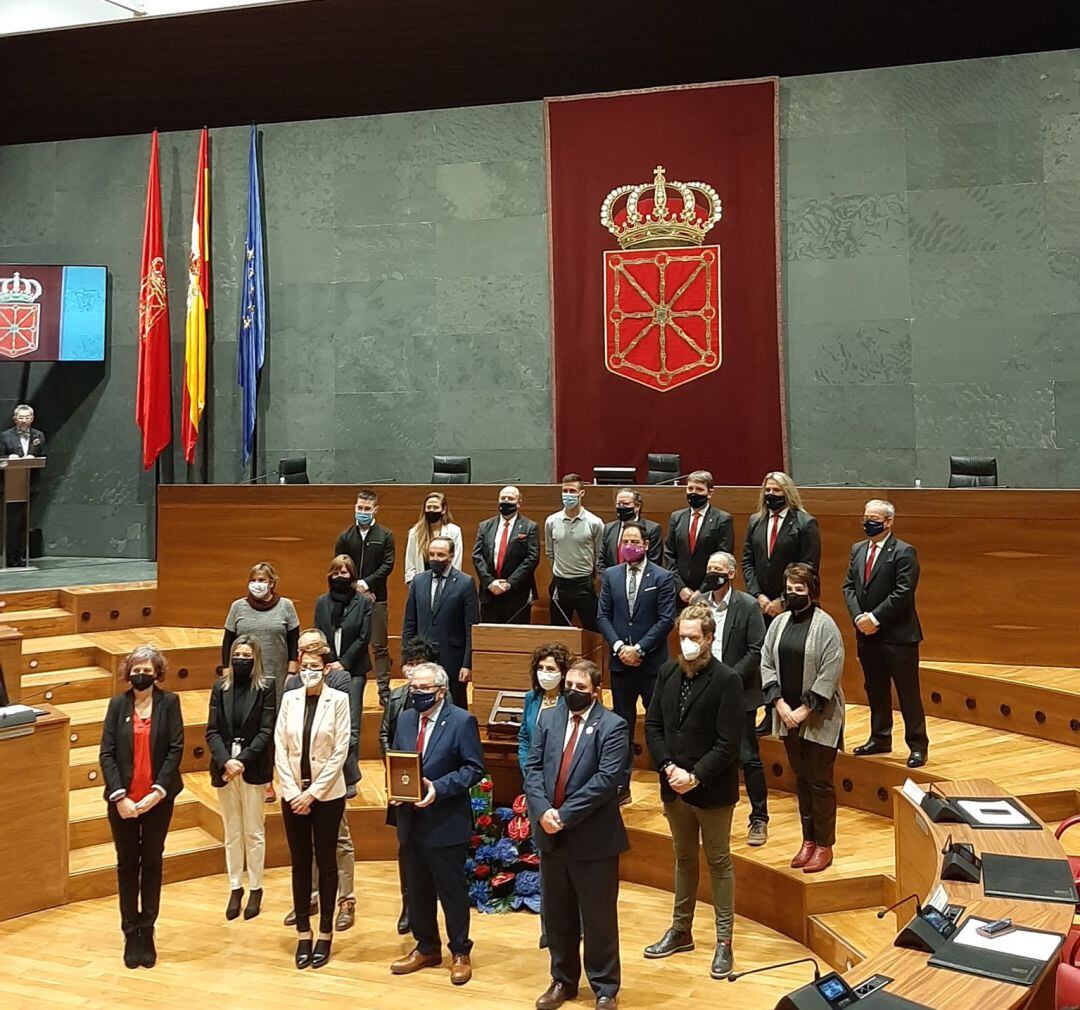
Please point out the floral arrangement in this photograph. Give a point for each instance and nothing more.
(503, 866)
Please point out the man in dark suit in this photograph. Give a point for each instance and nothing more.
(572, 778)
(628, 509)
(23, 439)
(442, 606)
(694, 728)
(694, 534)
(740, 630)
(505, 557)
(371, 547)
(434, 833)
(636, 612)
(882, 577)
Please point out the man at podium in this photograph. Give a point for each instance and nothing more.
(23, 439)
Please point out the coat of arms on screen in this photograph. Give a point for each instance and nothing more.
(20, 315)
(662, 289)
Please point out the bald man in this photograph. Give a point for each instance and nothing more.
(505, 557)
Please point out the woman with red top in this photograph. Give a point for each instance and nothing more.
(142, 742)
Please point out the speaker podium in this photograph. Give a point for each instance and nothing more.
(15, 515)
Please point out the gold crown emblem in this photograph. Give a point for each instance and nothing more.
(660, 213)
(19, 289)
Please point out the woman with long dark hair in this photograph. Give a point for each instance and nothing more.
(435, 521)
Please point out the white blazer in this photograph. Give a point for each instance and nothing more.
(414, 563)
(330, 732)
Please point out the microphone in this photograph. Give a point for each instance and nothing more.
(736, 975)
(558, 606)
(41, 692)
(519, 612)
(896, 904)
(262, 476)
(671, 480)
(382, 480)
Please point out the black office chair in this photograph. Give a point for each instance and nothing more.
(973, 471)
(664, 467)
(293, 471)
(614, 475)
(451, 469)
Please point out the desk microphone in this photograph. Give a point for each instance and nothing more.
(558, 607)
(736, 975)
(670, 480)
(41, 692)
(897, 904)
(518, 613)
(262, 476)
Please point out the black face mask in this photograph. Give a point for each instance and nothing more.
(340, 584)
(422, 701)
(577, 701)
(697, 500)
(873, 527)
(141, 681)
(433, 517)
(241, 669)
(775, 502)
(507, 508)
(796, 602)
(625, 512)
(713, 581)
(438, 567)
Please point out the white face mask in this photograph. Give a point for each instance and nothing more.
(311, 678)
(258, 589)
(548, 679)
(690, 649)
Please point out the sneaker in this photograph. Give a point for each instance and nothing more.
(758, 834)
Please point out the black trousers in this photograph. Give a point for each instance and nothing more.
(433, 877)
(510, 608)
(582, 896)
(140, 843)
(574, 596)
(813, 764)
(757, 790)
(314, 835)
(884, 665)
(626, 687)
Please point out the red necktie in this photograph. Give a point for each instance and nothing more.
(420, 736)
(870, 555)
(500, 556)
(567, 758)
(694, 522)
(772, 533)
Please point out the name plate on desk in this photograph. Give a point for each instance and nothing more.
(404, 781)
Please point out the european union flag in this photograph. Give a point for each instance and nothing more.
(251, 340)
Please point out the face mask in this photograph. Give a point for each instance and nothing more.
(775, 502)
(796, 602)
(433, 517)
(423, 700)
(697, 501)
(259, 589)
(632, 553)
(438, 567)
(570, 501)
(577, 701)
(142, 681)
(364, 518)
(241, 669)
(625, 512)
(690, 649)
(310, 678)
(548, 679)
(507, 508)
(340, 583)
(873, 527)
(713, 581)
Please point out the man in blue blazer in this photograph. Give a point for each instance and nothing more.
(572, 777)
(635, 615)
(434, 833)
(443, 606)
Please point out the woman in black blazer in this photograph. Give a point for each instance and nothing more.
(343, 615)
(240, 732)
(142, 742)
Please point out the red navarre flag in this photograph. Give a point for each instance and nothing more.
(153, 399)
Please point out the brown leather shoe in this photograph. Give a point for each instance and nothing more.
(558, 993)
(820, 860)
(802, 857)
(346, 914)
(460, 969)
(313, 909)
(415, 961)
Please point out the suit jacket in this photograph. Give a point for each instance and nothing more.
(706, 739)
(355, 632)
(117, 754)
(890, 593)
(256, 732)
(395, 705)
(450, 625)
(329, 744)
(339, 680)
(593, 826)
(740, 645)
(652, 618)
(716, 533)
(529, 712)
(609, 546)
(374, 556)
(453, 763)
(519, 565)
(9, 440)
(797, 540)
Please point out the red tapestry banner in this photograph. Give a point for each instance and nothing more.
(665, 281)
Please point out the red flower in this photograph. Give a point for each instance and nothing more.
(476, 841)
(518, 828)
(483, 821)
(501, 879)
(481, 871)
(531, 859)
(487, 785)
(519, 805)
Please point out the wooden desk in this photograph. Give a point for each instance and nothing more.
(34, 814)
(918, 864)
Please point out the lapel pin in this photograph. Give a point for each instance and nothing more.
(589, 729)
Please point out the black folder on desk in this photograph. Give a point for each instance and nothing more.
(991, 964)
(1028, 879)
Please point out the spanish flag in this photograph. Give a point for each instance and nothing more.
(198, 304)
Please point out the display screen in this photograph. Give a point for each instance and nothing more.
(936, 919)
(836, 991)
(52, 313)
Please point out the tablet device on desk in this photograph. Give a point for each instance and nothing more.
(1018, 956)
(1028, 878)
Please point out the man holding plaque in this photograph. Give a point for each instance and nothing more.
(434, 831)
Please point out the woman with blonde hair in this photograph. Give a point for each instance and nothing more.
(435, 521)
(239, 731)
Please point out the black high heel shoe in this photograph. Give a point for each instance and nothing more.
(321, 954)
(303, 953)
(232, 910)
(254, 904)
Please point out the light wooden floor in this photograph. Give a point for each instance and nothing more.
(71, 957)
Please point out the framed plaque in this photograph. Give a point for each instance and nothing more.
(404, 782)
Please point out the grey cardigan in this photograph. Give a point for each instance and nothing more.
(823, 668)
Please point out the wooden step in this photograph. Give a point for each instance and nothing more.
(846, 938)
(85, 769)
(88, 821)
(87, 716)
(46, 622)
(189, 852)
(28, 599)
(193, 655)
(112, 606)
(60, 687)
(61, 652)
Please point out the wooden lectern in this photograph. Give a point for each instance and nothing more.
(16, 485)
